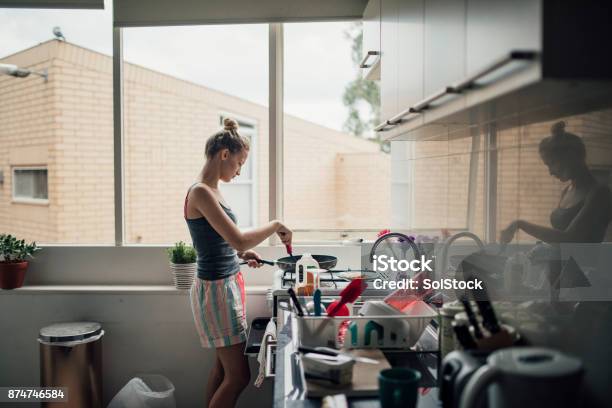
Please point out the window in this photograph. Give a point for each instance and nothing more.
(241, 193)
(61, 115)
(30, 185)
(179, 82)
(336, 173)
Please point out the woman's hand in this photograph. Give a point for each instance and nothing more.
(284, 234)
(252, 258)
(508, 233)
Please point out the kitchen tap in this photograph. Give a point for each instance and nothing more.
(400, 236)
(463, 234)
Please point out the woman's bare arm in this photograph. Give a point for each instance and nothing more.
(203, 199)
(594, 212)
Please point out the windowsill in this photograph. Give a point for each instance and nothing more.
(41, 203)
(116, 289)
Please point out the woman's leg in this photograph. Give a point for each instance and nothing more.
(236, 376)
(215, 378)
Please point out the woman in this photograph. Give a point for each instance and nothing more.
(217, 295)
(583, 213)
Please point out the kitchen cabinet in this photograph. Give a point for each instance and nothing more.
(370, 63)
(482, 60)
(444, 44)
(494, 28)
(389, 58)
(402, 55)
(410, 52)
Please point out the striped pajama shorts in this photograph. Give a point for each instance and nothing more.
(219, 311)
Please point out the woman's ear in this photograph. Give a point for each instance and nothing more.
(225, 154)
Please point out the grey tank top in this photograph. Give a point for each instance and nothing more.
(216, 258)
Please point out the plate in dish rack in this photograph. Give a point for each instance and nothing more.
(364, 274)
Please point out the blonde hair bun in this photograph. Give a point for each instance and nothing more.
(230, 124)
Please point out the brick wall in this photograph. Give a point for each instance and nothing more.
(166, 123)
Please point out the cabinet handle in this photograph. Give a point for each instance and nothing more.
(516, 55)
(458, 87)
(363, 64)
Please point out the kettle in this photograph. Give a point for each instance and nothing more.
(526, 377)
(456, 370)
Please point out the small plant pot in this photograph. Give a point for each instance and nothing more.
(12, 274)
(183, 274)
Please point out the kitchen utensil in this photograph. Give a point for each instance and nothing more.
(263, 261)
(464, 337)
(489, 320)
(296, 302)
(552, 379)
(343, 310)
(333, 352)
(348, 295)
(317, 302)
(398, 387)
(287, 263)
(471, 269)
(289, 250)
(471, 317)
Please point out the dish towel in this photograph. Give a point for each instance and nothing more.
(269, 334)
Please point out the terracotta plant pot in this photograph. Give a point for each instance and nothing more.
(12, 274)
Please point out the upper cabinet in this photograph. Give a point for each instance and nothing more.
(494, 28)
(447, 64)
(410, 84)
(389, 58)
(444, 56)
(370, 62)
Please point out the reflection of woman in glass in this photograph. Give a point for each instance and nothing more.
(584, 209)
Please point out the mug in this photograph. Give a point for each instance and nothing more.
(398, 387)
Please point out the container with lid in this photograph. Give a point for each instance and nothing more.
(71, 357)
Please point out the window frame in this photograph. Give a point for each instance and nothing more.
(26, 200)
(275, 141)
(252, 133)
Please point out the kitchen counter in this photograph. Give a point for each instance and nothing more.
(289, 392)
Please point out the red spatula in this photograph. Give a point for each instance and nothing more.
(348, 295)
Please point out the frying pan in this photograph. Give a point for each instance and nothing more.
(287, 263)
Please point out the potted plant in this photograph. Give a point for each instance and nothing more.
(13, 263)
(182, 264)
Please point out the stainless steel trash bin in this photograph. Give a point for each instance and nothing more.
(71, 357)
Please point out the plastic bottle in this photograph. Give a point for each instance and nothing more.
(302, 266)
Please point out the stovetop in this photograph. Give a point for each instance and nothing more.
(326, 279)
(330, 282)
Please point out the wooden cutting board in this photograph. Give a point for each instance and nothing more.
(365, 378)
